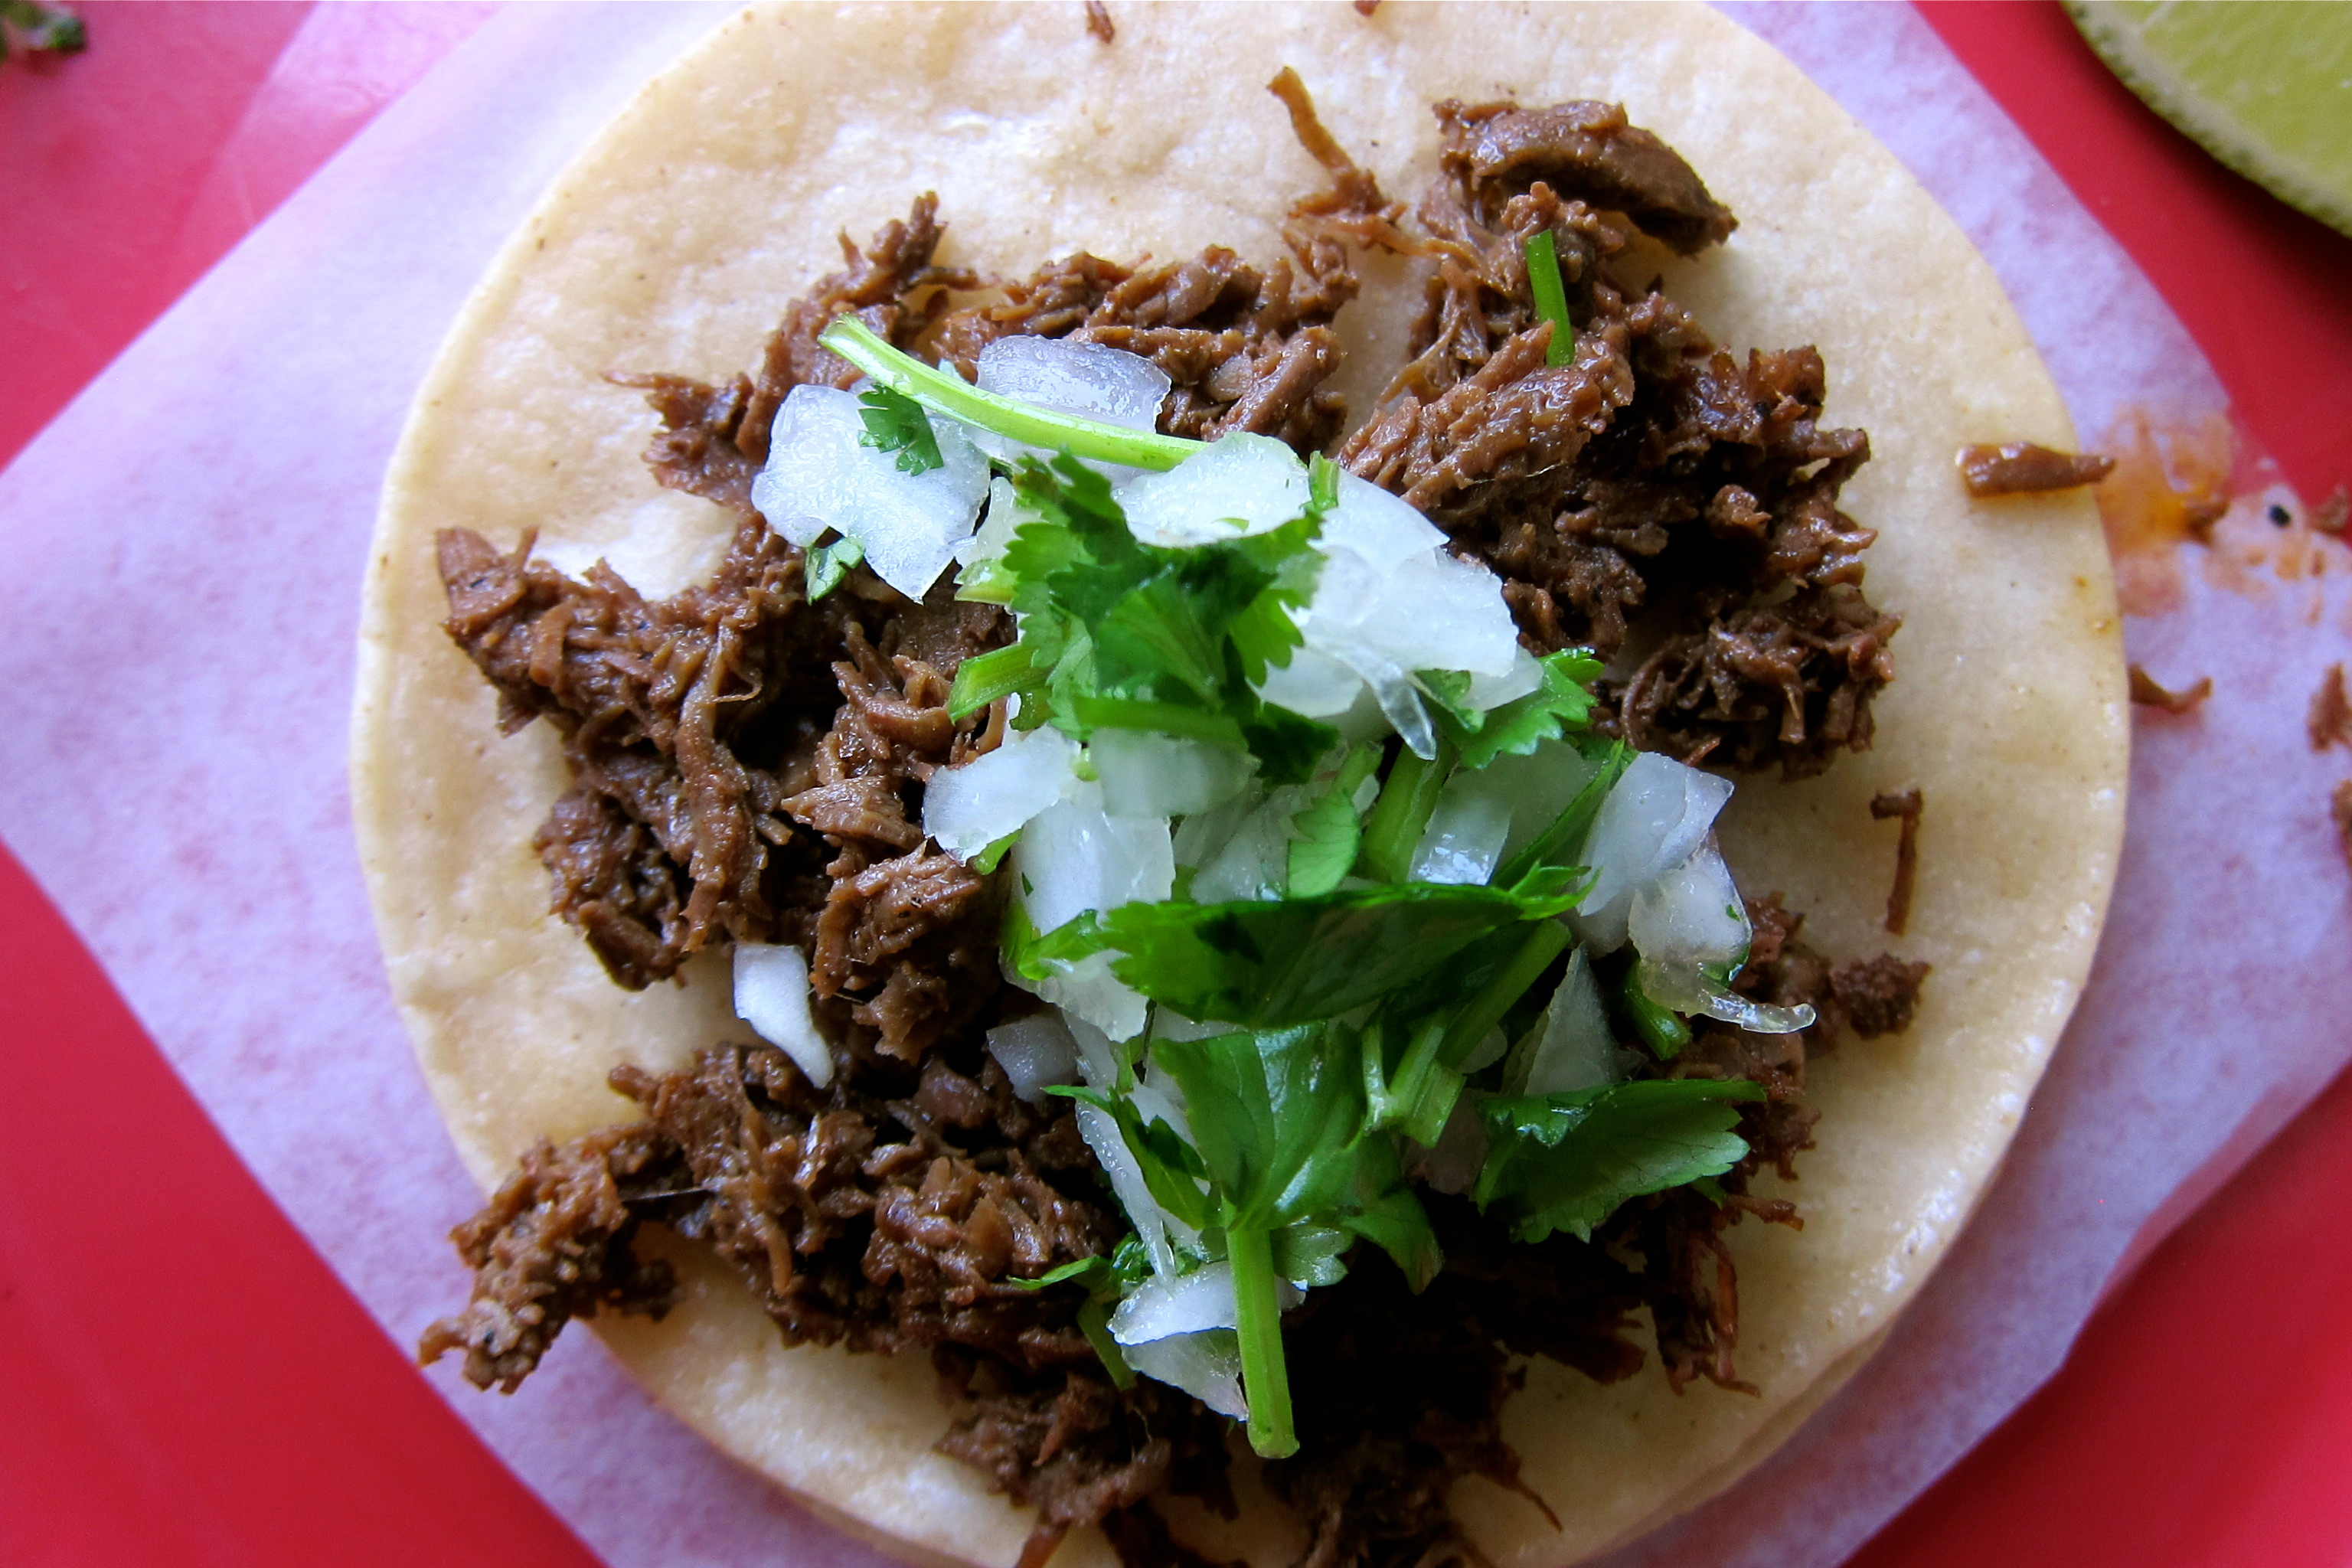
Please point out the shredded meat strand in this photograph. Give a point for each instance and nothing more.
(2023, 468)
(1907, 804)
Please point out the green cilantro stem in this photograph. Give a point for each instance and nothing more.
(983, 678)
(1403, 809)
(1565, 837)
(1545, 940)
(903, 374)
(1663, 1033)
(1094, 1321)
(1257, 1312)
(1551, 296)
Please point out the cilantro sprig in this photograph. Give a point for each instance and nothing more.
(909, 377)
(1280, 1177)
(1279, 961)
(1118, 634)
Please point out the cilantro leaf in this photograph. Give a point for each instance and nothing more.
(1562, 703)
(1287, 746)
(1566, 1162)
(1278, 1119)
(897, 423)
(827, 564)
(1111, 620)
(1330, 829)
(1271, 1113)
(1280, 961)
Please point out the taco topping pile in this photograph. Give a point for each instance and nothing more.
(1237, 931)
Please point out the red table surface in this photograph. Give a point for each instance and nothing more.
(182, 1381)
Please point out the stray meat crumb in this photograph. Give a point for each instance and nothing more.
(1878, 995)
(2342, 801)
(1907, 804)
(2330, 515)
(1099, 21)
(2148, 694)
(2023, 468)
(1366, 7)
(2331, 716)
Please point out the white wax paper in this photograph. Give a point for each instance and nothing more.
(183, 553)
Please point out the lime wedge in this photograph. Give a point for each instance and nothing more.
(2264, 85)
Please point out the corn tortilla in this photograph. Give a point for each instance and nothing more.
(673, 243)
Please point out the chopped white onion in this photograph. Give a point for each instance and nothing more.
(1145, 774)
(1392, 687)
(1088, 991)
(1167, 1024)
(819, 474)
(1254, 862)
(1573, 1046)
(1107, 386)
(1074, 858)
(1429, 611)
(978, 556)
(1097, 1054)
(1441, 613)
(1208, 1366)
(1542, 784)
(1691, 914)
(1654, 817)
(1035, 1053)
(1493, 690)
(1185, 1305)
(968, 808)
(1464, 837)
(1313, 683)
(1126, 1184)
(1234, 488)
(1380, 528)
(1686, 988)
(1201, 834)
(1188, 1304)
(772, 995)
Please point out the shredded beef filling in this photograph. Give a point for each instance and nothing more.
(749, 766)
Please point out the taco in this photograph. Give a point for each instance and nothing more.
(1137, 810)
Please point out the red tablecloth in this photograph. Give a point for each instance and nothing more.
(181, 1379)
